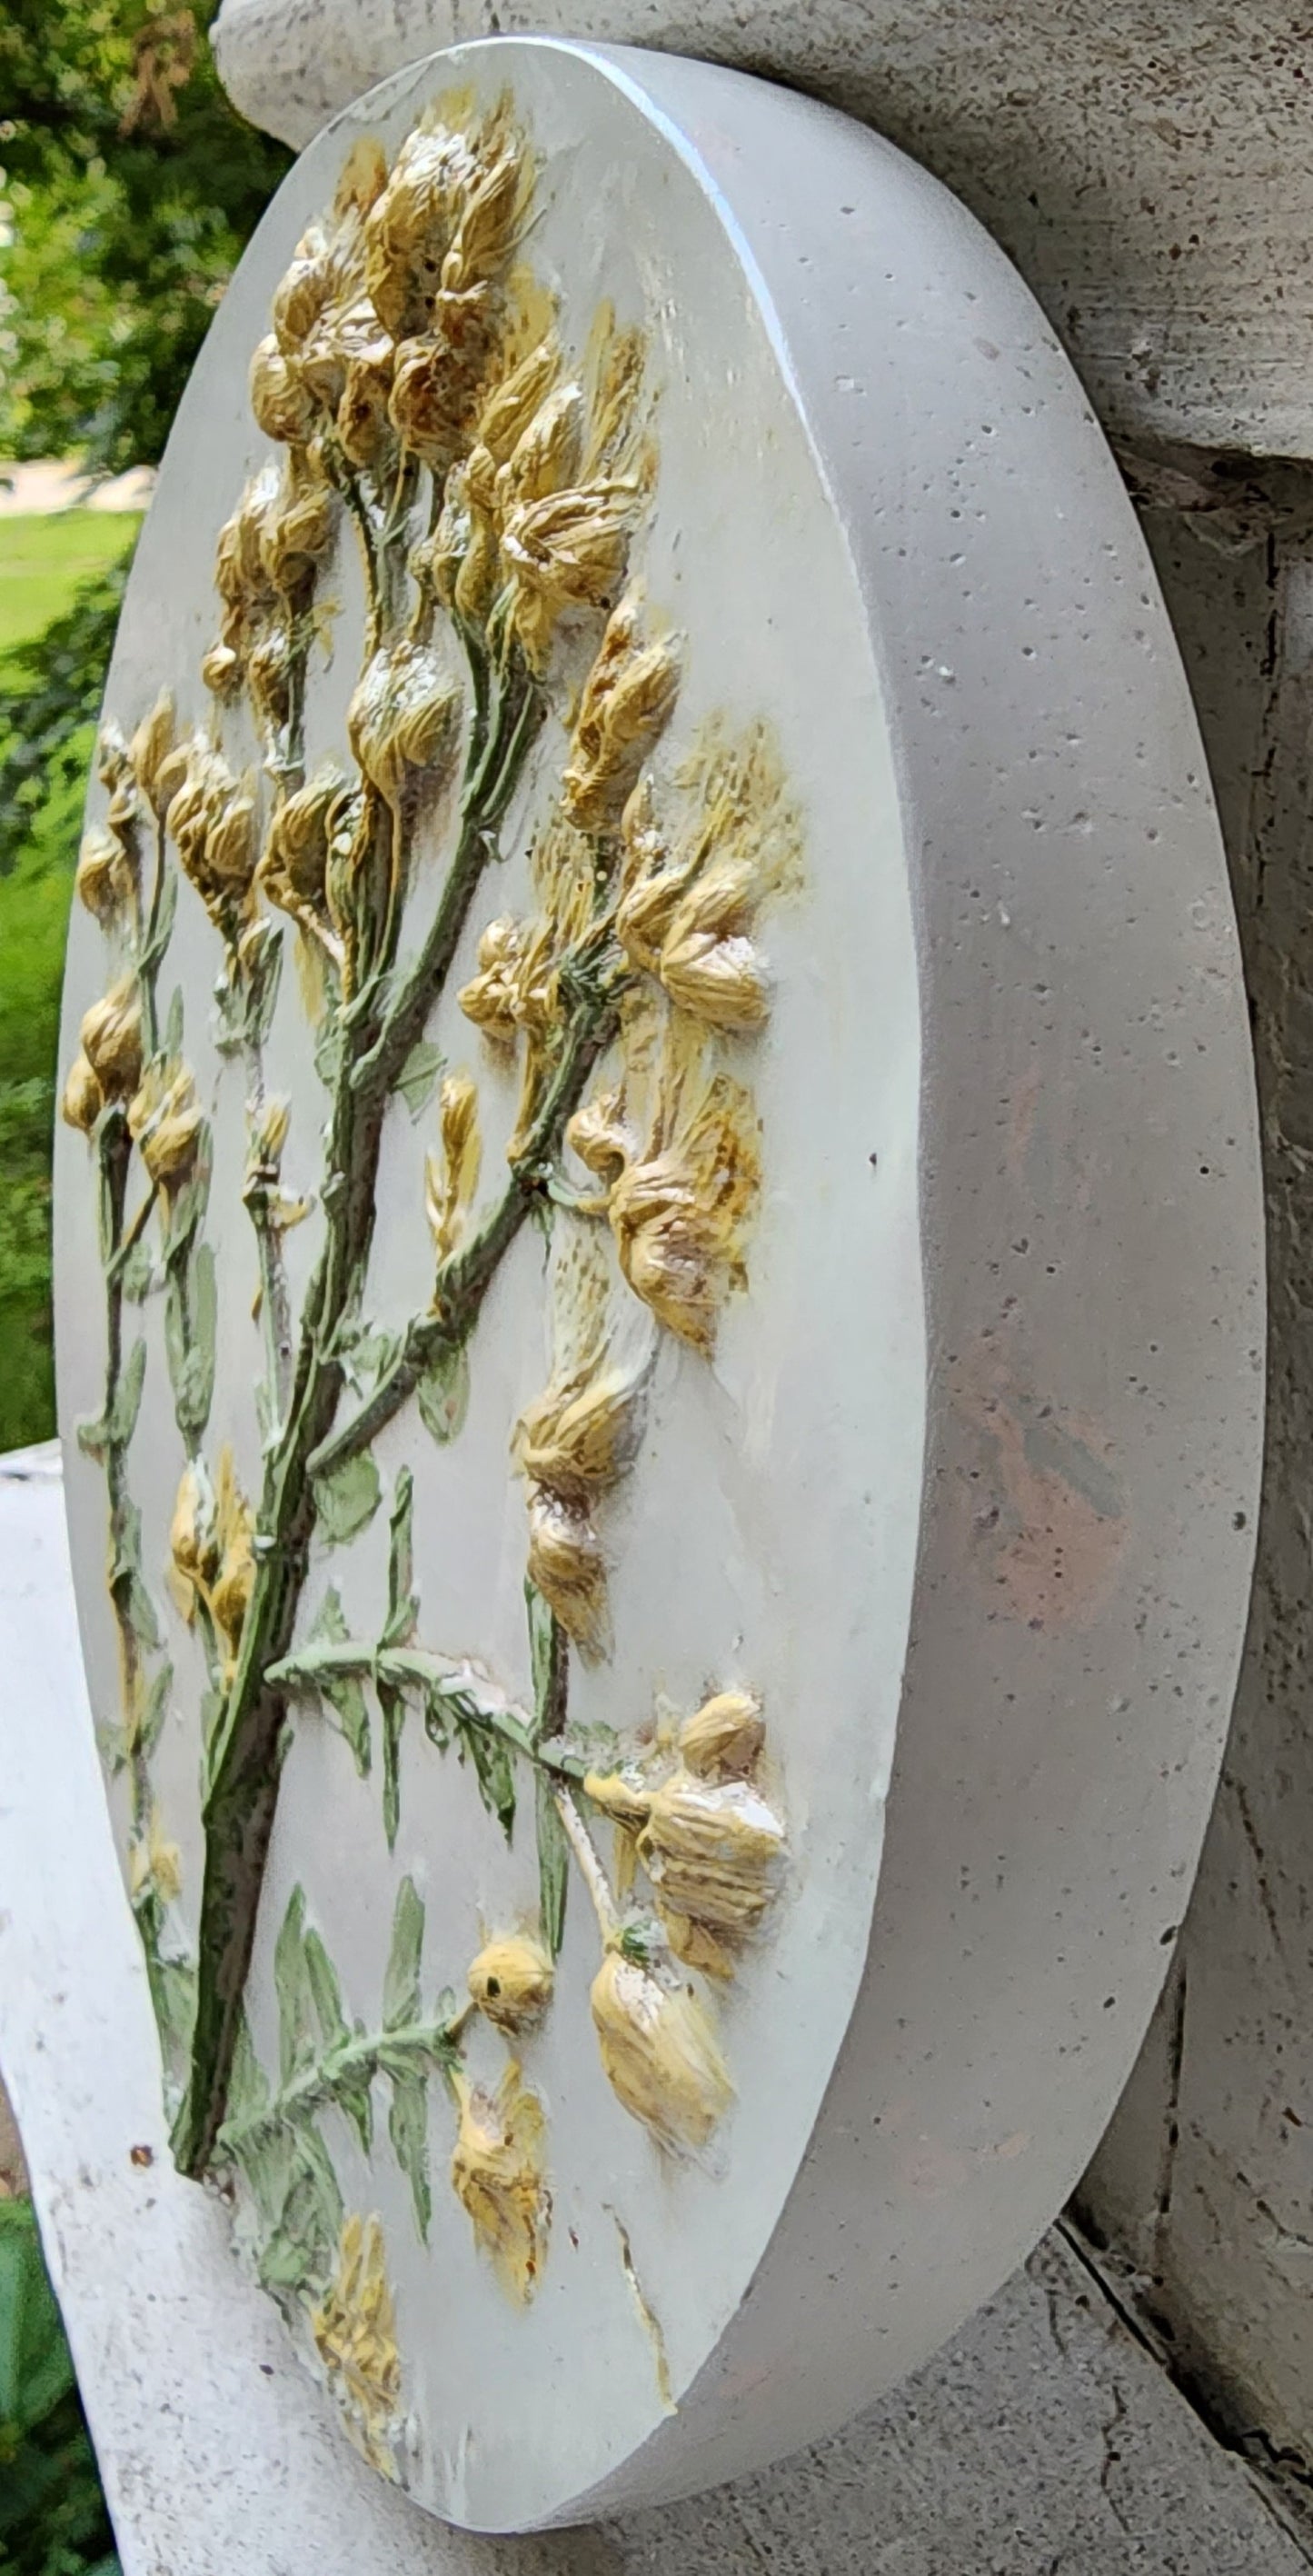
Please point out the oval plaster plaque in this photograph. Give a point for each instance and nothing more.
(658, 1184)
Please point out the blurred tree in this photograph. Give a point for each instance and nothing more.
(130, 186)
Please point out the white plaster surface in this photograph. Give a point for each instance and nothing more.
(1044, 2442)
(1089, 1217)
(1146, 163)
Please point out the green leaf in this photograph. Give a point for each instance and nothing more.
(408, 2128)
(127, 1400)
(299, 2251)
(248, 2085)
(91, 1436)
(137, 1276)
(401, 2003)
(330, 1047)
(418, 1076)
(347, 1500)
(156, 1709)
(324, 1988)
(35, 2369)
(344, 1692)
(443, 1393)
(403, 1606)
(392, 1710)
(173, 1023)
(205, 1336)
(263, 962)
(296, 2036)
(494, 1771)
(553, 1864)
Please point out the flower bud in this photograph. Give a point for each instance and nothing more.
(628, 700)
(193, 1531)
(567, 1565)
(83, 1098)
(622, 1796)
(279, 401)
(713, 1852)
(548, 453)
(111, 1040)
(660, 2055)
(232, 844)
(103, 876)
(403, 717)
(221, 671)
(451, 1183)
(506, 415)
(490, 998)
(511, 1982)
(725, 1735)
(497, 2176)
(111, 754)
(149, 750)
(294, 536)
(169, 1129)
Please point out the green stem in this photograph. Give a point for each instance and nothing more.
(115, 1160)
(349, 2067)
(412, 1668)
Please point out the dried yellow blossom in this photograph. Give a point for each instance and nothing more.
(355, 2334)
(294, 864)
(548, 453)
(725, 1735)
(624, 1796)
(447, 220)
(83, 1098)
(221, 671)
(364, 425)
(404, 718)
(627, 702)
(680, 1212)
(214, 821)
(511, 1982)
(452, 1182)
(714, 1852)
(568, 551)
(568, 1567)
(296, 534)
(491, 1000)
(149, 750)
(104, 876)
(283, 409)
(497, 2175)
(581, 1438)
(155, 1864)
(194, 1543)
(235, 1581)
(111, 1041)
(601, 1135)
(167, 1122)
(506, 415)
(660, 2054)
(688, 914)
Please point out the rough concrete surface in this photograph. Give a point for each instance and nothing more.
(1204, 2183)
(1044, 2442)
(1147, 163)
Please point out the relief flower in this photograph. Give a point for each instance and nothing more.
(404, 719)
(714, 1852)
(492, 998)
(497, 2176)
(724, 1736)
(148, 753)
(194, 1544)
(688, 908)
(234, 1583)
(660, 2054)
(105, 881)
(111, 1041)
(680, 1211)
(282, 406)
(578, 1438)
(355, 2335)
(293, 867)
(511, 1982)
(154, 1865)
(627, 702)
(167, 1122)
(214, 823)
(451, 1181)
(82, 1100)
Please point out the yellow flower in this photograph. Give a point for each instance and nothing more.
(580, 1438)
(627, 702)
(548, 453)
(363, 424)
(194, 1544)
(725, 1735)
(355, 2335)
(714, 1852)
(166, 1120)
(297, 532)
(294, 863)
(83, 1098)
(221, 671)
(568, 1567)
(111, 1041)
(155, 1864)
(448, 218)
(688, 915)
(282, 407)
(104, 876)
(660, 2054)
(680, 1213)
(507, 412)
(491, 1000)
(235, 1581)
(214, 821)
(497, 2175)
(567, 551)
(149, 749)
(451, 1183)
(404, 718)
(511, 1982)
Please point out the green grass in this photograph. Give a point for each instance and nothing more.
(42, 562)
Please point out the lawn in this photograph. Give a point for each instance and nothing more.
(42, 562)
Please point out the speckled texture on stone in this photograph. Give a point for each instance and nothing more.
(1205, 2181)
(1043, 2442)
(1146, 163)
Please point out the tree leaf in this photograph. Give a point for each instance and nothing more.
(408, 2128)
(127, 1400)
(418, 1076)
(347, 1500)
(553, 1865)
(495, 1773)
(403, 1606)
(443, 1394)
(296, 2035)
(401, 2002)
(156, 1709)
(392, 1710)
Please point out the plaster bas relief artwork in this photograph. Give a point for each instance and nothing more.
(489, 1129)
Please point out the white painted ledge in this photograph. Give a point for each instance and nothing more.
(1148, 164)
(1043, 2442)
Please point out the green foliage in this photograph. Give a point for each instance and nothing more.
(52, 2513)
(132, 186)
